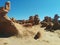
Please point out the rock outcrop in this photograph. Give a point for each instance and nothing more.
(56, 22)
(7, 27)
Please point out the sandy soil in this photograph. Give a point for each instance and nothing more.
(26, 37)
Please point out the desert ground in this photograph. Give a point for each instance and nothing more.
(26, 37)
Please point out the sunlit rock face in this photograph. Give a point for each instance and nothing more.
(7, 27)
(4, 11)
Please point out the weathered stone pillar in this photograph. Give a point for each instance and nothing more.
(7, 5)
(56, 22)
(36, 19)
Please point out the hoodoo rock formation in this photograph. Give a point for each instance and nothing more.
(51, 24)
(7, 27)
(11, 26)
(56, 22)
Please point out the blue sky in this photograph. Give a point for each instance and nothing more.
(22, 9)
